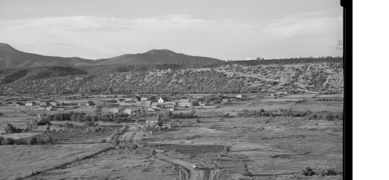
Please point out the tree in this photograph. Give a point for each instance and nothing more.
(98, 111)
(110, 90)
(192, 109)
(55, 91)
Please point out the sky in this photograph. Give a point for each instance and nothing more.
(223, 29)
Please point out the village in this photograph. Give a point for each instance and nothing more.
(126, 104)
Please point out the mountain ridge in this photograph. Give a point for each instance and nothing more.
(13, 58)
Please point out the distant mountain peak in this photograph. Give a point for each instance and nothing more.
(160, 51)
(7, 49)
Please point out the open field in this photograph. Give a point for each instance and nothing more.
(258, 147)
(22, 160)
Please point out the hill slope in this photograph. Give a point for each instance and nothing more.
(295, 75)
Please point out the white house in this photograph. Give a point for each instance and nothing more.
(161, 100)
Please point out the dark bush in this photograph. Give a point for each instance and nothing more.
(32, 140)
(48, 140)
(133, 146)
(8, 141)
(328, 172)
(308, 172)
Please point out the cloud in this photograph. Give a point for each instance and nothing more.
(105, 37)
(303, 24)
(95, 37)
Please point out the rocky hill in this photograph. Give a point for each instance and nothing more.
(290, 75)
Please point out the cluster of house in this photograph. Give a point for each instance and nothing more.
(49, 104)
(150, 105)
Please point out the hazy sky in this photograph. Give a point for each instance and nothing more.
(224, 29)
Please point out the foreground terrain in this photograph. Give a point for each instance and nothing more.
(260, 148)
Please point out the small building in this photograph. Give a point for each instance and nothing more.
(50, 108)
(146, 103)
(53, 103)
(225, 100)
(234, 114)
(81, 104)
(143, 98)
(44, 103)
(185, 100)
(116, 110)
(154, 104)
(20, 104)
(30, 103)
(137, 98)
(184, 103)
(170, 104)
(240, 97)
(150, 110)
(161, 100)
(195, 103)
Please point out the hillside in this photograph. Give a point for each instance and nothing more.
(13, 58)
(291, 75)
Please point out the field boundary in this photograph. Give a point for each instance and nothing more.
(65, 164)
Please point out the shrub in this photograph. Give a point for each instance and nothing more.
(89, 123)
(20, 142)
(32, 140)
(328, 172)
(8, 141)
(1, 139)
(133, 146)
(103, 140)
(48, 140)
(115, 141)
(246, 171)
(69, 125)
(308, 171)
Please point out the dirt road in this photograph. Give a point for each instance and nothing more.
(194, 174)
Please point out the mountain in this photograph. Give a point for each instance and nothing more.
(13, 58)
(154, 56)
